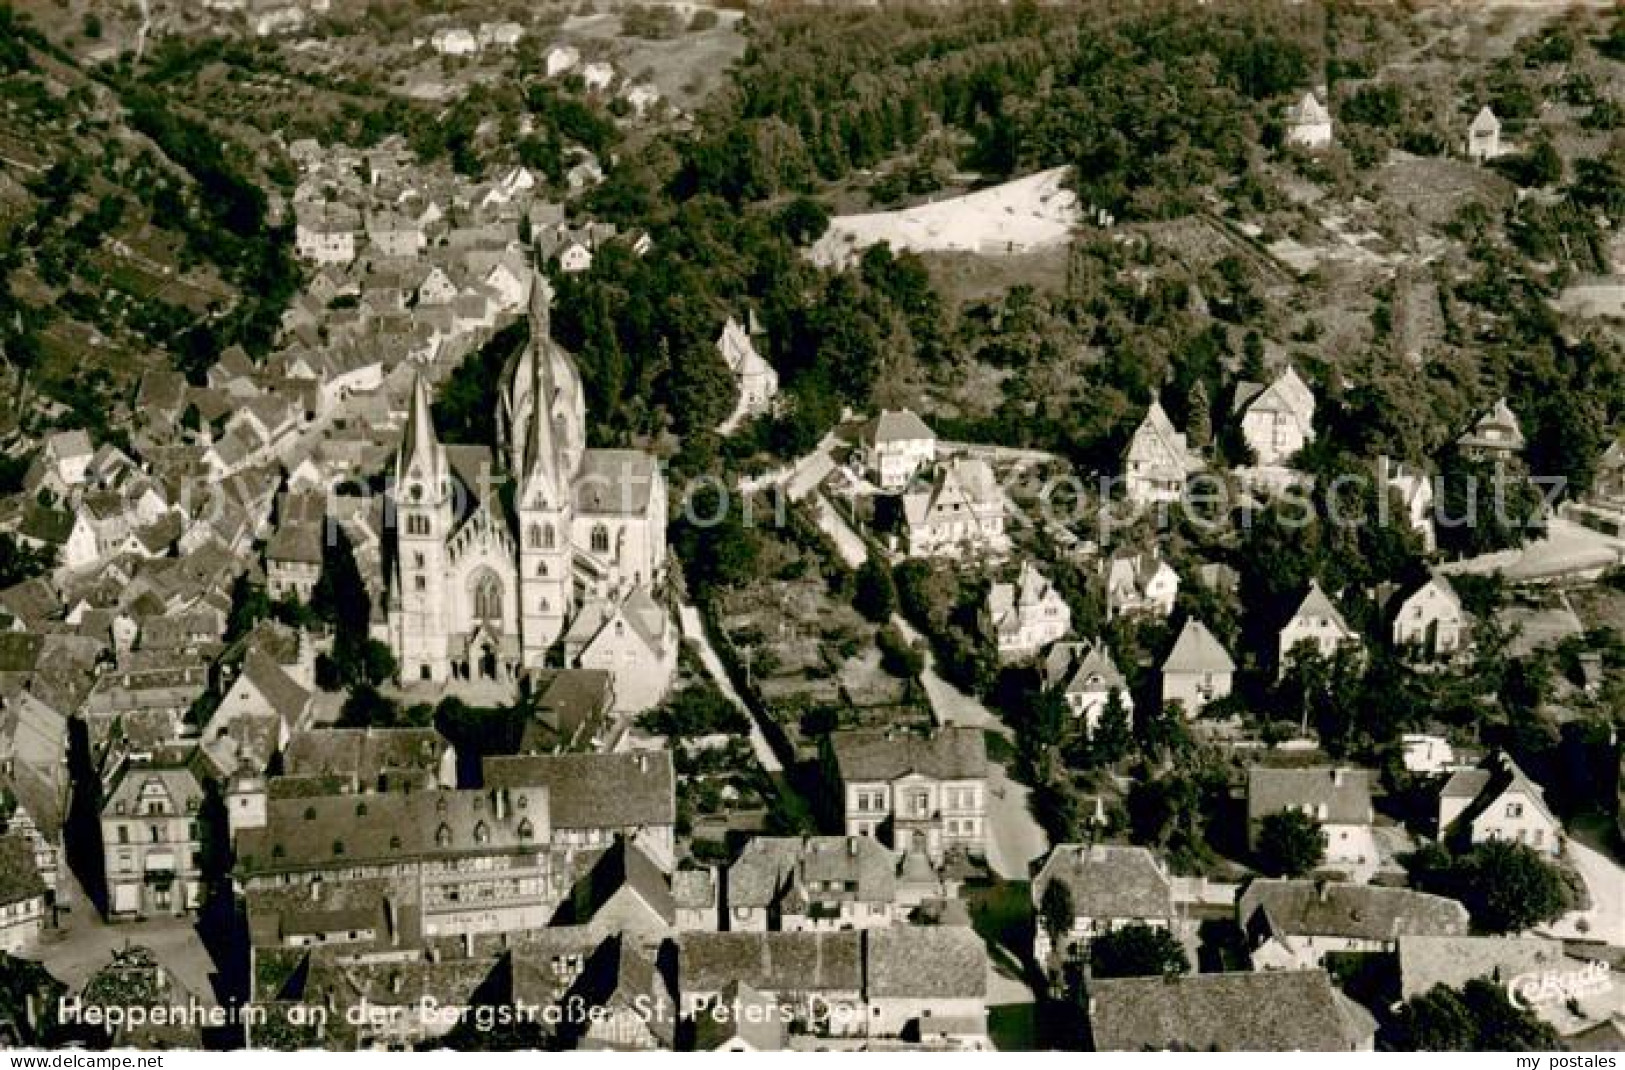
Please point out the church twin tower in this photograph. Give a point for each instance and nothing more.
(479, 590)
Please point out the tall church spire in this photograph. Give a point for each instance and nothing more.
(542, 483)
(421, 453)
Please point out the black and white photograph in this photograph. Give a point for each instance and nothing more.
(894, 526)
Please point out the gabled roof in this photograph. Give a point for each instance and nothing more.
(1485, 121)
(1346, 793)
(595, 791)
(1108, 881)
(1317, 606)
(1289, 1010)
(952, 753)
(1304, 908)
(1197, 651)
(775, 962)
(1157, 443)
(1500, 777)
(900, 426)
(924, 962)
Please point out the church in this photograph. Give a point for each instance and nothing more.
(484, 583)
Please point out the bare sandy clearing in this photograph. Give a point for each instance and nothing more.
(1016, 217)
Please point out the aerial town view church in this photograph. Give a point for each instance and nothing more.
(479, 590)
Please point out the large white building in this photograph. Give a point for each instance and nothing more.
(482, 591)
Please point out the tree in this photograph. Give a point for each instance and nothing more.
(876, 594)
(1510, 888)
(1199, 421)
(1137, 950)
(1290, 844)
(898, 656)
(1479, 1017)
(1114, 732)
(1057, 913)
(804, 220)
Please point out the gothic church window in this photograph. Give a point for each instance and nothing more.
(488, 598)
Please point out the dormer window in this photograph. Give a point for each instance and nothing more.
(482, 834)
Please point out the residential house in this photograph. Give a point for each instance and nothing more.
(926, 982)
(1110, 886)
(622, 893)
(1277, 420)
(23, 896)
(454, 41)
(697, 896)
(1278, 1011)
(152, 837)
(1414, 491)
(896, 445)
(598, 76)
(740, 1019)
(795, 884)
(569, 711)
(1498, 801)
(595, 798)
(1484, 136)
(561, 59)
(325, 233)
(392, 234)
(456, 862)
(1338, 798)
(1318, 626)
(757, 381)
(1431, 621)
(1295, 924)
(1496, 436)
(1089, 677)
(630, 1006)
(67, 455)
(913, 791)
(1025, 616)
(1309, 123)
(815, 977)
(1158, 461)
(259, 712)
(635, 642)
(1197, 670)
(1140, 583)
(335, 761)
(963, 511)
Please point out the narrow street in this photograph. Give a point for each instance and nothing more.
(694, 629)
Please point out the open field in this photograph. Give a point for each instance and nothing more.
(1015, 217)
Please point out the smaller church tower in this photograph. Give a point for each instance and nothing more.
(423, 519)
(246, 799)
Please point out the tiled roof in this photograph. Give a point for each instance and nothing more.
(1346, 793)
(1197, 651)
(924, 962)
(944, 754)
(595, 791)
(1277, 1011)
(1108, 881)
(1355, 911)
(771, 962)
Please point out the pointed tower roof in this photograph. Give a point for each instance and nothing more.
(1317, 604)
(1196, 650)
(420, 446)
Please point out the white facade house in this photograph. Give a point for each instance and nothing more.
(1496, 436)
(1484, 136)
(1318, 624)
(1140, 583)
(1498, 801)
(454, 41)
(561, 59)
(1198, 669)
(1158, 461)
(325, 234)
(756, 379)
(1277, 420)
(1027, 615)
(1431, 620)
(1110, 886)
(1338, 798)
(1088, 678)
(1309, 123)
(898, 444)
(963, 512)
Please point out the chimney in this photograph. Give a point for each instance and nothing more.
(643, 762)
(1337, 777)
(852, 847)
(468, 945)
(1323, 890)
